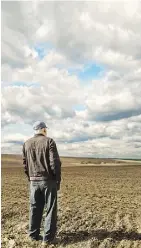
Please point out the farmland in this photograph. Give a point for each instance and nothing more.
(99, 204)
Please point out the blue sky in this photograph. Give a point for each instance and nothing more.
(27, 84)
(42, 49)
(91, 70)
(79, 107)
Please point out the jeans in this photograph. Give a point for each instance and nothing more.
(43, 193)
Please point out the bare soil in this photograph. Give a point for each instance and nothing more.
(98, 206)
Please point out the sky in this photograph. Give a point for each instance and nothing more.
(77, 66)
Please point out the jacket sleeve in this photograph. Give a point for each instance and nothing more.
(55, 162)
(25, 161)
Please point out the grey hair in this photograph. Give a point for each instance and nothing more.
(38, 131)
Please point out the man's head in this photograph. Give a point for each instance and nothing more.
(40, 128)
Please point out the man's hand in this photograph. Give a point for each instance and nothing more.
(58, 186)
(54, 159)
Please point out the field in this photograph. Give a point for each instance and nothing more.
(99, 204)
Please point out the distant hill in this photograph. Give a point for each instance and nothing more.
(16, 160)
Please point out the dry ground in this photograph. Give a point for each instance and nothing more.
(97, 207)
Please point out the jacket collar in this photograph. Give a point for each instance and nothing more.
(39, 134)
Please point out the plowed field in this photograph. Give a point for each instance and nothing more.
(97, 207)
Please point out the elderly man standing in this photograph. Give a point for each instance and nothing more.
(43, 168)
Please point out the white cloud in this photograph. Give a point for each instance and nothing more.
(78, 138)
(80, 33)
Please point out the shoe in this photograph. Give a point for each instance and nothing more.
(36, 238)
(40, 237)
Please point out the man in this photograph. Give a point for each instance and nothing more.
(43, 169)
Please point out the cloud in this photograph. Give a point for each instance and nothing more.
(48, 101)
(79, 138)
(76, 65)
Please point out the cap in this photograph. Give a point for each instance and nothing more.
(39, 125)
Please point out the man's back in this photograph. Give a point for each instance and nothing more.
(41, 159)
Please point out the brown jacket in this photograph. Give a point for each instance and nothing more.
(41, 159)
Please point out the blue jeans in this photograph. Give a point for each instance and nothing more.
(43, 193)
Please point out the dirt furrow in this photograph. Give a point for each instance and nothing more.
(136, 244)
(127, 222)
(138, 221)
(107, 243)
(124, 244)
(119, 220)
